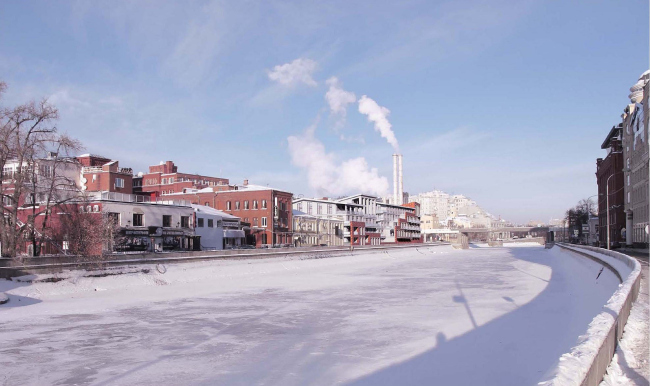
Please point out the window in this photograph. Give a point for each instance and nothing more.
(138, 219)
(263, 221)
(228, 206)
(171, 180)
(199, 222)
(236, 205)
(114, 218)
(167, 220)
(185, 221)
(263, 204)
(206, 204)
(319, 209)
(309, 208)
(164, 180)
(299, 206)
(210, 223)
(119, 182)
(329, 209)
(246, 205)
(254, 221)
(46, 170)
(254, 204)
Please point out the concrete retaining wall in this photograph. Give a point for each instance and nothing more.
(13, 268)
(588, 361)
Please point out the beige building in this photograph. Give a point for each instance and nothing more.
(635, 158)
(430, 222)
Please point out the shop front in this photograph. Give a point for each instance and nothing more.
(154, 239)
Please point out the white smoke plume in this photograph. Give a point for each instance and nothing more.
(338, 100)
(328, 177)
(378, 115)
(294, 73)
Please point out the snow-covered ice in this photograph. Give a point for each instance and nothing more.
(431, 315)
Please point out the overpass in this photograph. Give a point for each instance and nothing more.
(484, 234)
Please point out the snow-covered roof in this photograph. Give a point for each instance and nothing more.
(314, 200)
(251, 188)
(212, 211)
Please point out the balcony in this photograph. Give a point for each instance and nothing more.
(98, 169)
(123, 197)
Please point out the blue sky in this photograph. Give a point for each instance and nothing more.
(506, 102)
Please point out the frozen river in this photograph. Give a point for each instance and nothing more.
(432, 315)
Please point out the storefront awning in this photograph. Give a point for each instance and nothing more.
(233, 234)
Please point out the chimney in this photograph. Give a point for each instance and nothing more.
(401, 182)
(395, 179)
(246, 182)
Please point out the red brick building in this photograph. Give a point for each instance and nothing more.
(609, 174)
(267, 210)
(408, 228)
(100, 174)
(165, 179)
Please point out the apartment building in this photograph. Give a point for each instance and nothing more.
(309, 230)
(635, 169)
(609, 174)
(101, 174)
(165, 179)
(346, 214)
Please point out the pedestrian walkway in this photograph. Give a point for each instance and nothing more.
(636, 252)
(631, 362)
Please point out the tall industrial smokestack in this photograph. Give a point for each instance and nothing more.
(401, 182)
(395, 178)
(398, 181)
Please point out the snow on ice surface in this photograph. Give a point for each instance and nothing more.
(489, 316)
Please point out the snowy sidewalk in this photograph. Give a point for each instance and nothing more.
(631, 362)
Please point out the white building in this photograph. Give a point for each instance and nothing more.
(147, 224)
(435, 203)
(217, 229)
(341, 213)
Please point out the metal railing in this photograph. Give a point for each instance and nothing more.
(99, 169)
(124, 197)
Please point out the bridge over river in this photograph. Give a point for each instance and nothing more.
(484, 234)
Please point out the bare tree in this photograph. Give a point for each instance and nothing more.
(32, 153)
(87, 235)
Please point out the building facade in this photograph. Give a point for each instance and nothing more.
(100, 174)
(609, 174)
(635, 155)
(311, 230)
(165, 179)
(147, 225)
(216, 229)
